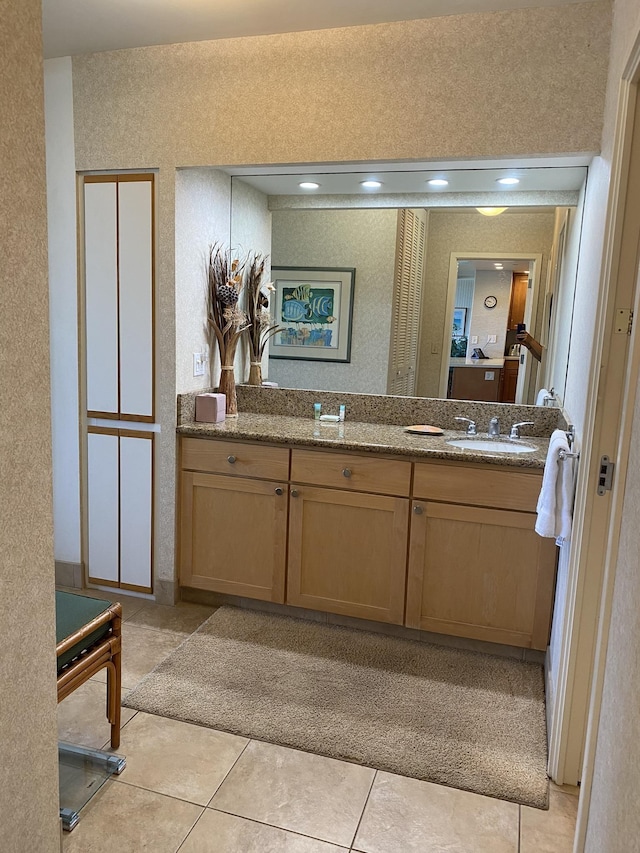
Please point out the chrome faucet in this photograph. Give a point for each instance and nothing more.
(471, 429)
(494, 427)
(515, 429)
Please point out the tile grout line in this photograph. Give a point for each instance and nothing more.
(195, 823)
(280, 828)
(355, 834)
(226, 775)
(158, 793)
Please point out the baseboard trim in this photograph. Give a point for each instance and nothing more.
(69, 574)
(215, 599)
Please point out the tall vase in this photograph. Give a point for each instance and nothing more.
(227, 386)
(255, 373)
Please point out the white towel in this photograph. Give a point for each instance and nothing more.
(543, 394)
(555, 503)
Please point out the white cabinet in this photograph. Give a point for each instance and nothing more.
(118, 273)
(118, 265)
(119, 507)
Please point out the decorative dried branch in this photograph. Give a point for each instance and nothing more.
(225, 321)
(257, 306)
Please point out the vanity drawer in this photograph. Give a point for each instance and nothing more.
(346, 471)
(516, 490)
(235, 457)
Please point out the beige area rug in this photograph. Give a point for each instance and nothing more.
(458, 718)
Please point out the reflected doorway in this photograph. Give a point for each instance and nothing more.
(489, 297)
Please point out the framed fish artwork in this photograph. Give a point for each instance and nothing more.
(314, 309)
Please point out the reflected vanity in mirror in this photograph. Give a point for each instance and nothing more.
(435, 279)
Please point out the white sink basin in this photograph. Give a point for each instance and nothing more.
(488, 445)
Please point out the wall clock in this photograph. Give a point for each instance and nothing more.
(490, 301)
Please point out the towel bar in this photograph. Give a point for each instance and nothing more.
(565, 454)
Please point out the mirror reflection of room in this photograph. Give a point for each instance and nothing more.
(404, 297)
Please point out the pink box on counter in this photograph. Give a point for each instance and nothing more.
(211, 408)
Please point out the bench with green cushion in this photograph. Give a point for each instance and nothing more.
(87, 640)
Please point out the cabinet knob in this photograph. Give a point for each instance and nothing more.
(231, 460)
(346, 472)
(294, 493)
(279, 490)
(418, 510)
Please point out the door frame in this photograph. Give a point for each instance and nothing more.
(532, 300)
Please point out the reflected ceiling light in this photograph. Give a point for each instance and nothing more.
(491, 211)
(508, 182)
(498, 266)
(308, 185)
(371, 185)
(438, 182)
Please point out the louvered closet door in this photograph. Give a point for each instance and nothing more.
(118, 254)
(407, 301)
(118, 251)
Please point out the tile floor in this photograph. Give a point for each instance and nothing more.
(195, 790)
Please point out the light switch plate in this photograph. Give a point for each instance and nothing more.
(492, 339)
(489, 375)
(199, 361)
(474, 339)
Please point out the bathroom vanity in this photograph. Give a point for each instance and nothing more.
(364, 520)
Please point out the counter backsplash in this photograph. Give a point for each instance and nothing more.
(379, 409)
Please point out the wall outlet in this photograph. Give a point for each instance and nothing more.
(474, 339)
(435, 349)
(199, 362)
(492, 339)
(489, 375)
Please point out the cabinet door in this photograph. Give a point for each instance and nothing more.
(233, 535)
(480, 573)
(136, 514)
(101, 295)
(103, 507)
(347, 553)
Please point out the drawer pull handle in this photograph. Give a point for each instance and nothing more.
(418, 510)
(231, 460)
(294, 493)
(346, 472)
(279, 491)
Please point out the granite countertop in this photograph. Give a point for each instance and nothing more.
(352, 435)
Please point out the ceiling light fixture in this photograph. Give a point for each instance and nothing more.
(491, 211)
(498, 266)
(508, 182)
(438, 182)
(371, 185)
(308, 185)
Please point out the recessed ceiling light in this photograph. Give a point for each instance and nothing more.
(371, 185)
(498, 266)
(508, 182)
(491, 211)
(438, 182)
(308, 185)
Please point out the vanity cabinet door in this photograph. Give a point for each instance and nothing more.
(347, 553)
(480, 573)
(233, 535)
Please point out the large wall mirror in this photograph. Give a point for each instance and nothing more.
(440, 286)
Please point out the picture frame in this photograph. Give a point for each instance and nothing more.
(459, 322)
(314, 307)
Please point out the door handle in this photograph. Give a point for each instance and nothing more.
(418, 510)
(294, 493)
(279, 490)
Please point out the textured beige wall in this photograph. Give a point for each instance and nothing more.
(366, 240)
(522, 233)
(28, 738)
(418, 89)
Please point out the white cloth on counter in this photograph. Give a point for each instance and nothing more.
(555, 504)
(543, 395)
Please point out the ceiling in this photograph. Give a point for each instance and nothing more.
(556, 178)
(71, 27)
